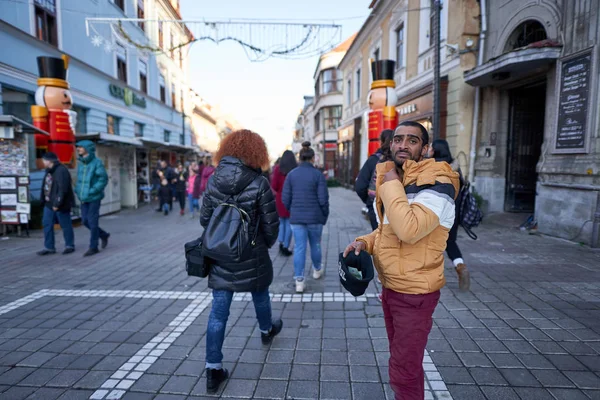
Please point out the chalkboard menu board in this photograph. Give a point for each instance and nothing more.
(573, 103)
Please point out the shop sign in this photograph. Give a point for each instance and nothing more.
(573, 103)
(127, 96)
(408, 109)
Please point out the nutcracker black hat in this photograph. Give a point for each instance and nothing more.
(53, 71)
(383, 73)
(361, 262)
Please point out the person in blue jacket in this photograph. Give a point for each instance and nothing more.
(306, 196)
(91, 181)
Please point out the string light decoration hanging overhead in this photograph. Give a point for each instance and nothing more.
(259, 39)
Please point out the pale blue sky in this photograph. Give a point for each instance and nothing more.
(264, 96)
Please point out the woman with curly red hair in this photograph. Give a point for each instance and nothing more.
(238, 177)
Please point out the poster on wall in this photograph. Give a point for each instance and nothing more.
(14, 156)
(9, 216)
(23, 198)
(8, 183)
(573, 103)
(8, 199)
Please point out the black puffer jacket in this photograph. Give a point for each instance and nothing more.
(230, 179)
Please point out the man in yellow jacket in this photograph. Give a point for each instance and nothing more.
(415, 205)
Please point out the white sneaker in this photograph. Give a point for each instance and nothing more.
(299, 286)
(317, 273)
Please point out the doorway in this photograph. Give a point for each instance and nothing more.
(525, 136)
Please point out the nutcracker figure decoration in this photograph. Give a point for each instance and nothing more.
(52, 112)
(382, 101)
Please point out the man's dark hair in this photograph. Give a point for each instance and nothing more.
(415, 124)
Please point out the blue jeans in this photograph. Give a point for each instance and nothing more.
(90, 214)
(217, 322)
(285, 232)
(165, 207)
(303, 233)
(193, 203)
(64, 219)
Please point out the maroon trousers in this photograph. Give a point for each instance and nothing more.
(408, 321)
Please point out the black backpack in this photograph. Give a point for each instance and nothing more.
(469, 214)
(227, 236)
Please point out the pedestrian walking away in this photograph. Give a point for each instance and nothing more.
(415, 203)
(238, 182)
(441, 153)
(91, 181)
(365, 182)
(286, 164)
(57, 200)
(207, 172)
(306, 196)
(181, 181)
(193, 188)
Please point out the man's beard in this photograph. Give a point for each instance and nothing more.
(400, 163)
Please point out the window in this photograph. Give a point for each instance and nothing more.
(167, 136)
(432, 19)
(173, 98)
(172, 45)
(400, 47)
(160, 34)
(527, 33)
(182, 139)
(45, 21)
(181, 58)
(331, 117)
(112, 124)
(376, 54)
(120, 4)
(317, 87)
(143, 76)
(162, 88)
(331, 81)
(138, 129)
(81, 126)
(140, 13)
(121, 63)
(357, 87)
(349, 91)
(181, 100)
(317, 122)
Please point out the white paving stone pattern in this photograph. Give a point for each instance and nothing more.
(117, 385)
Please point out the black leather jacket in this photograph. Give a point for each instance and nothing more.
(233, 178)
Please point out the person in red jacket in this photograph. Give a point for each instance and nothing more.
(280, 171)
(208, 170)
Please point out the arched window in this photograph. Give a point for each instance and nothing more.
(528, 32)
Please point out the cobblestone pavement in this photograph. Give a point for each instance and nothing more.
(128, 323)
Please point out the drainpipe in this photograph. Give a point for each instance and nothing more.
(596, 226)
(473, 150)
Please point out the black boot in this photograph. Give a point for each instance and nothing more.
(276, 327)
(214, 378)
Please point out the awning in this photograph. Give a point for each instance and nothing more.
(108, 138)
(167, 146)
(20, 126)
(512, 66)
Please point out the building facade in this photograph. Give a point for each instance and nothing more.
(136, 106)
(538, 142)
(400, 30)
(305, 128)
